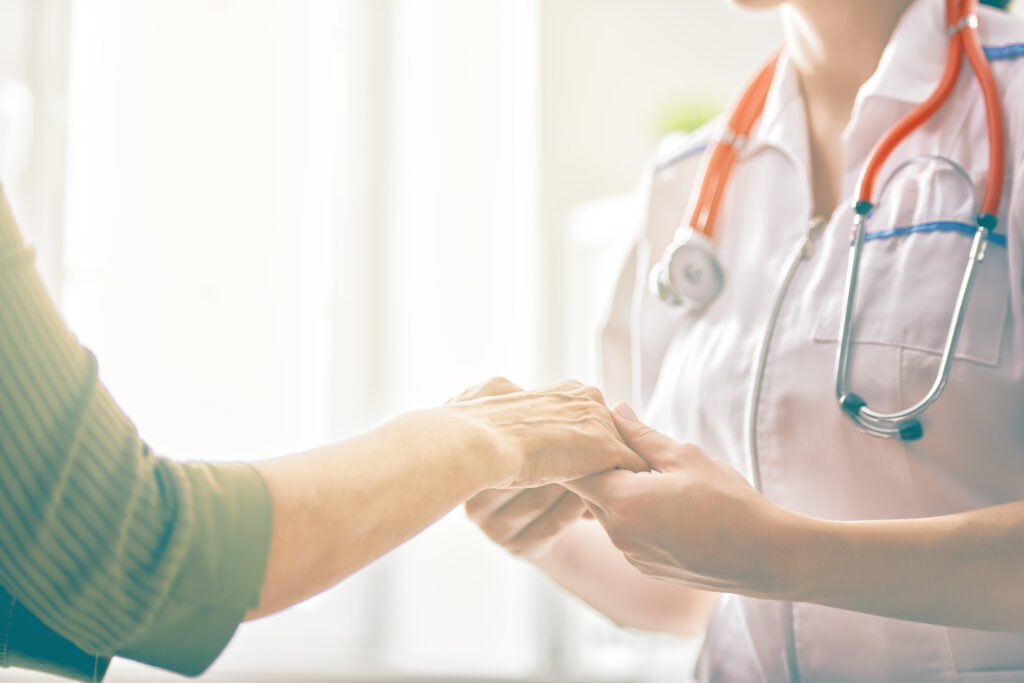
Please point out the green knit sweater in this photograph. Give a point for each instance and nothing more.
(106, 549)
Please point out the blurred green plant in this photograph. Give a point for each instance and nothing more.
(686, 116)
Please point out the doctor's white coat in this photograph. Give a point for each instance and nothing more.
(698, 376)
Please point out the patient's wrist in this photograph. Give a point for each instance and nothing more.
(477, 449)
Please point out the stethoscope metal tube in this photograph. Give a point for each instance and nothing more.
(902, 424)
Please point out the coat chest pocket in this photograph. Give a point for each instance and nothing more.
(908, 285)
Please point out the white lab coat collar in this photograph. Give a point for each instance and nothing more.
(783, 121)
(912, 63)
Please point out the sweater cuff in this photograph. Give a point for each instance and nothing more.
(222, 574)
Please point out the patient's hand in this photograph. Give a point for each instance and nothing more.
(525, 522)
(548, 435)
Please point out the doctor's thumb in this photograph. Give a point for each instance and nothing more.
(649, 444)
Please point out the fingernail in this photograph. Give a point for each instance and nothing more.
(626, 413)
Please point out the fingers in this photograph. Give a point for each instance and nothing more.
(486, 503)
(602, 490)
(629, 460)
(522, 509)
(495, 386)
(564, 511)
(503, 515)
(658, 450)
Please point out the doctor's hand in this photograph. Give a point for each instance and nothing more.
(547, 435)
(691, 520)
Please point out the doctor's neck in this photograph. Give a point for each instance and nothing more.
(836, 45)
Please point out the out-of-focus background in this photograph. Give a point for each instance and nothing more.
(277, 222)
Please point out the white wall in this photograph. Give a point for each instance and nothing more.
(611, 68)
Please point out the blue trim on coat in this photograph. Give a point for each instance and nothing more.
(938, 226)
(1014, 51)
(679, 156)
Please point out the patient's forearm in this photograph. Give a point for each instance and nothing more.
(337, 508)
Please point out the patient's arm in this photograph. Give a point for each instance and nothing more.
(337, 508)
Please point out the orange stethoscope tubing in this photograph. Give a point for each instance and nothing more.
(963, 38)
(718, 162)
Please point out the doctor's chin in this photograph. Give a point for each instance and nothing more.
(505, 341)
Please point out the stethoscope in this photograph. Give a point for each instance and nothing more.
(690, 274)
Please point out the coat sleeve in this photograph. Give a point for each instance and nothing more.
(111, 548)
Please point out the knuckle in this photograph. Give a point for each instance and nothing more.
(536, 534)
(644, 432)
(619, 540)
(517, 547)
(502, 533)
(645, 568)
(474, 512)
(690, 449)
(685, 451)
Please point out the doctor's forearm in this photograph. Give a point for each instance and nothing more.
(963, 570)
(339, 507)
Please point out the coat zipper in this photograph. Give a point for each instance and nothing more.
(804, 251)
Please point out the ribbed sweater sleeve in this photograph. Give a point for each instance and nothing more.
(116, 550)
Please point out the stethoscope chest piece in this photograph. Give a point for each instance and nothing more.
(689, 272)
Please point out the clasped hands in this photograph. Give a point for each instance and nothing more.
(675, 513)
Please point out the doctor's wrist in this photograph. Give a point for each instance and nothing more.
(800, 555)
(820, 559)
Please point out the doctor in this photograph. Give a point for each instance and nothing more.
(808, 548)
